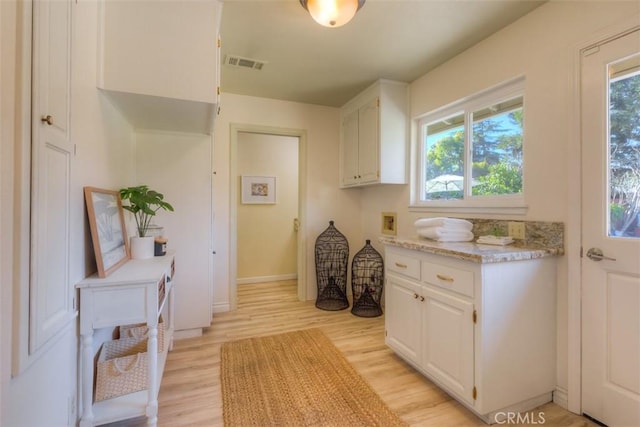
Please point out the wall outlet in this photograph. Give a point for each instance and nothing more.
(516, 230)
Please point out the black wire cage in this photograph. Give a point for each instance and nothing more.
(332, 261)
(367, 278)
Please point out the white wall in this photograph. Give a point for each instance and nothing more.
(266, 238)
(43, 392)
(541, 46)
(324, 200)
(7, 137)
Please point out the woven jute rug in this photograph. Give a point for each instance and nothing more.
(296, 379)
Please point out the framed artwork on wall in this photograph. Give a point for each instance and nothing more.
(258, 189)
(108, 232)
(389, 223)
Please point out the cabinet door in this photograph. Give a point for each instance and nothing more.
(350, 149)
(368, 142)
(448, 342)
(403, 317)
(51, 293)
(161, 48)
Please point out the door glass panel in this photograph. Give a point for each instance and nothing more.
(624, 148)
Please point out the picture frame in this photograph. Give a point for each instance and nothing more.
(108, 231)
(389, 220)
(258, 189)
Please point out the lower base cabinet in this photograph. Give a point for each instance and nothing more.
(485, 333)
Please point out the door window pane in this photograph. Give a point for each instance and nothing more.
(497, 149)
(624, 148)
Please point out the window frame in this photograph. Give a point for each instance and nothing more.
(507, 204)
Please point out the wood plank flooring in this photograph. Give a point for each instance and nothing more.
(190, 393)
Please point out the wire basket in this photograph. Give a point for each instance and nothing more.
(367, 278)
(332, 260)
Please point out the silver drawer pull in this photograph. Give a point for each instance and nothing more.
(444, 278)
(399, 265)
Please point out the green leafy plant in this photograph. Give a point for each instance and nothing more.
(143, 204)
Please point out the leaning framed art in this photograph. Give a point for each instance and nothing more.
(108, 231)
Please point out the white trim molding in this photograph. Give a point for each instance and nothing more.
(265, 279)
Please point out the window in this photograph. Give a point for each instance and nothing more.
(471, 152)
(624, 148)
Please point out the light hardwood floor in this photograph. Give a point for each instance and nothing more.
(190, 393)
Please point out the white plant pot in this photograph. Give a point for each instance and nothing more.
(142, 247)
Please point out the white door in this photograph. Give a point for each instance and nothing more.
(448, 341)
(51, 292)
(610, 103)
(368, 142)
(350, 149)
(403, 317)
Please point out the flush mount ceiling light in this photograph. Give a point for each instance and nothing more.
(332, 13)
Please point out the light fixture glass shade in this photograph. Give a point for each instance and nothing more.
(332, 13)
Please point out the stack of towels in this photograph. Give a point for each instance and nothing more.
(495, 240)
(445, 229)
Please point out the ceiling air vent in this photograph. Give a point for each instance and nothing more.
(240, 62)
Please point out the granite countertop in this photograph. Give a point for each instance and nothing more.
(471, 251)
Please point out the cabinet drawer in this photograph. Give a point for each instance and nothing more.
(403, 264)
(446, 277)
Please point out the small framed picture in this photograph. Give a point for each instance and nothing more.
(108, 232)
(389, 223)
(258, 189)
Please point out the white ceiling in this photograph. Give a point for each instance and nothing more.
(392, 39)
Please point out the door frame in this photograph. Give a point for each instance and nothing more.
(572, 397)
(301, 256)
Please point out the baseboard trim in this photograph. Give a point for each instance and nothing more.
(187, 333)
(221, 307)
(561, 397)
(264, 279)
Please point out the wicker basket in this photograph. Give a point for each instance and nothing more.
(140, 330)
(122, 368)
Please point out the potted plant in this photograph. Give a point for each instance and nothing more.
(143, 203)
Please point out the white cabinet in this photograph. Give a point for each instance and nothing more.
(485, 333)
(137, 292)
(374, 136)
(51, 294)
(160, 62)
(188, 228)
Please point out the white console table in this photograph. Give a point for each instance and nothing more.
(137, 292)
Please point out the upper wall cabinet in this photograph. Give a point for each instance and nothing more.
(160, 62)
(374, 136)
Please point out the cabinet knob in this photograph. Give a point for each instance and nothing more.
(47, 119)
(421, 298)
(415, 296)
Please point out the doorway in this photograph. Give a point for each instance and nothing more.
(610, 266)
(268, 208)
(252, 167)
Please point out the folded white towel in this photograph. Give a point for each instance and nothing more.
(443, 234)
(495, 240)
(453, 223)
